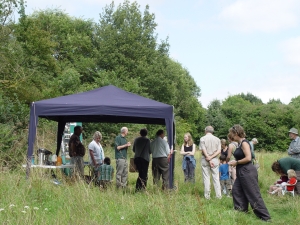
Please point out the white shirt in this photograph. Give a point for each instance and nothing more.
(159, 148)
(97, 152)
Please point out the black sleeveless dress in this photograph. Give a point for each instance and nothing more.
(245, 189)
(188, 149)
(225, 153)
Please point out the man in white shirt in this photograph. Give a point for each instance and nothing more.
(211, 148)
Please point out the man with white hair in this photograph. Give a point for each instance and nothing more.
(121, 146)
(96, 155)
(294, 148)
(211, 148)
(253, 142)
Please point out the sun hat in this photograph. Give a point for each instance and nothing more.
(293, 130)
(255, 140)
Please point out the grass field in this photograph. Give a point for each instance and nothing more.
(38, 201)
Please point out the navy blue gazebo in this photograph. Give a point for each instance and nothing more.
(106, 104)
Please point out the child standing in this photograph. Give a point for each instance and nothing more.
(224, 175)
(106, 173)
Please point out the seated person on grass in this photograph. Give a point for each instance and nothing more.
(292, 181)
(283, 179)
(106, 173)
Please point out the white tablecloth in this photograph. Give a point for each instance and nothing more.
(50, 167)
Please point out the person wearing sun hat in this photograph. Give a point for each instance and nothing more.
(294, 148)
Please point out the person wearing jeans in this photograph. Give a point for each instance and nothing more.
(188, 149)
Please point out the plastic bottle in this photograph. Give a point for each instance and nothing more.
(59, 161)
(63, 153)
(32, 160)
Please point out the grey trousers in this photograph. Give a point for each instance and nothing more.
(160, 168)
(246, 190)
(122, 173)
(79, 165)
(227, 185)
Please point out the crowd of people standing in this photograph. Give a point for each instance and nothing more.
(230, 164)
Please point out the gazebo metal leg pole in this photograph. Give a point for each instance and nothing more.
(171, 171)
(28, 165)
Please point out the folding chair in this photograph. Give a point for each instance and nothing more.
(289, 188)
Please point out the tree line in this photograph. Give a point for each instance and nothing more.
(268, 122)
(48, 54)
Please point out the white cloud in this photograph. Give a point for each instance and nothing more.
(276, 85)
(273, 86)
(261, 15)
(291, 50)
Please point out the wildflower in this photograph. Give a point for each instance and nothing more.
(122, 217)
(46, 209)
(35, 208)
(26, 207)
(11, 205)
(1, 209)
(23, 211)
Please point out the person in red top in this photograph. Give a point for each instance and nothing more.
(292, 180)
(282, 179)
(286, 185)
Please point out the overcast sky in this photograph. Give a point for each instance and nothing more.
(228, 46)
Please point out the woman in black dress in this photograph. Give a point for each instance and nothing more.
(245, 189)
(224, 148)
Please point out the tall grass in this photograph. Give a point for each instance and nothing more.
(39, 201)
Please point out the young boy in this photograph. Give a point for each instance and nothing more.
(106, 173)
(224, 175)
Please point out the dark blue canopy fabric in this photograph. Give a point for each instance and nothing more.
(105, 104)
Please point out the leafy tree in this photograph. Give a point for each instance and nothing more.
(274, 101)
(49, 53)
(131, 58)
(56, 45)
(295, 102)
(7, 10)
(217, 119)
(276, 120)
(251, 98)
(128, 51)
(234, 108)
